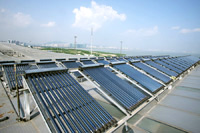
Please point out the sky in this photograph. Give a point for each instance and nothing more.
(151, 25)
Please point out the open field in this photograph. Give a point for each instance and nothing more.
(81, 52)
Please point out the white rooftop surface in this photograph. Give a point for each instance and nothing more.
(178, 109)
(31, 53)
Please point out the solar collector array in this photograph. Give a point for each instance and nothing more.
(125, 94)
(163, 69)
(46, 64)
(86, 62)
(178, 62)
(142, 79)
(3, 62)
(195, 59)
(65, 104)
(10, 74)
(129, 58)
(73, 64)
(121, 59)
(27, 61)
(183, 62)
(112, 60)
(168, 66)
(60, 59)
(152, 72)
(102, 61)
(74, 59)
(173, 64)
(191, 60)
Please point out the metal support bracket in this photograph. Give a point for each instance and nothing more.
(26, 106)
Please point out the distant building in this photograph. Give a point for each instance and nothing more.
(81, 45)
(78, 45)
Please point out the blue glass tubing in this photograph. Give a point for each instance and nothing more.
(52, 93)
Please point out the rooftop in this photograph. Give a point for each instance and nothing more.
(175, 110)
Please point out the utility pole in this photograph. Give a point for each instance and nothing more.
(121, 47)
(91, 39)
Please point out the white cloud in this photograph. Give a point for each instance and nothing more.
(95, 16)
(2, 10)
(21, 19)
(49, 24)
(175, 28)
(143, 32)
(184, 31)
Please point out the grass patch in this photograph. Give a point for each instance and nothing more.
(81, 52)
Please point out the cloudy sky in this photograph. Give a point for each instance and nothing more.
(154, 25)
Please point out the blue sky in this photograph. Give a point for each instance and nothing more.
(152, 25)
